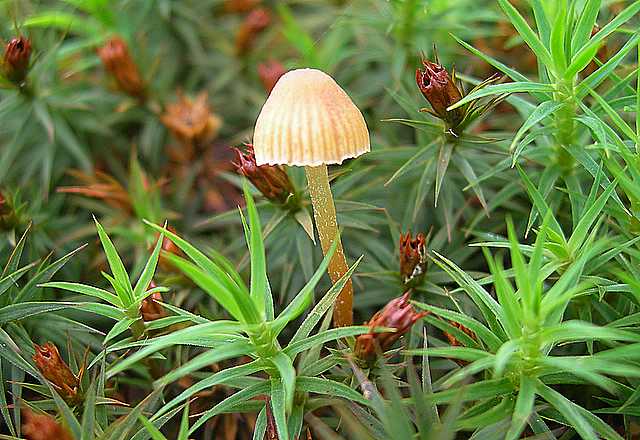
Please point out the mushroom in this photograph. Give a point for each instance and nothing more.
(308, 120)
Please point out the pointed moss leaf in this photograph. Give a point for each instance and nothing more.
(230, 281)
(527, 34)
(86, 290)
(326, 303)
(261, 425)
(302, 300)
(89, 413)
(217, 378)
(43, 275)
(328, 335)
(119, 328)
(218, 332)
(585, 24)
(501, 89)
(539, 202)
(258, 262)
(149, 270)
(12, 278)
(539, 114)
(568, 410)
(151, 429)
(523, 408)
(16, 254)
(330, 388)
(115, 263)
(203, 360)
(16, 312)
(184, 424)
(211, 285)
(444, 156)
(485, 335)
(287, 377)
(278, 403)
(594, 42)
(231, 401)
(589, 217)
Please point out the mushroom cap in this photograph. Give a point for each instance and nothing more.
(309, 120)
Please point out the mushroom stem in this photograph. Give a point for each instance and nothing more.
(324, 212)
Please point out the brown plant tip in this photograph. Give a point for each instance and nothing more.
(413, 258)
(270, 72)
(151, 309)
(9, 216)
(239, 6)
(17, 55)
(100, 186)
(452, 339)
(398, 314)
(55, 370)
(168, 247)
(439, 88)
(271, 180)
(4, 205)
(254, 23)
(271, 432)
(42, 427)
(117, 60)
(191, 121)
(454, 342)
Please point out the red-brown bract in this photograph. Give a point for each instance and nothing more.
(117, 60)
(271, 180)
(17, 55)
(413, 258)
(439, 88)
(398, 314)
(55, 370)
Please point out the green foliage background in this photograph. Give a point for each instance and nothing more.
(533, 215)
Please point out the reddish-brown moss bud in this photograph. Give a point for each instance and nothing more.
(454, 342)
(117, 60)
(271, 432)
(413, 258)
(9, 216)
(168, 247)
(398, 314)
(102, 186)
(4, 205)
(55, 370)
(452, 339)
(150, 309)
(271, 180)
(191, 121)
(440, 90)
(42, 427)
(270, 72)
(6, 217)
(257, 21)
(238, 6)
(17, 55)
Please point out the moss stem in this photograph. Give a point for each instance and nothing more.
(565, 124)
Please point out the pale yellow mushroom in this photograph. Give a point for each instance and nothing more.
(308, 120)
